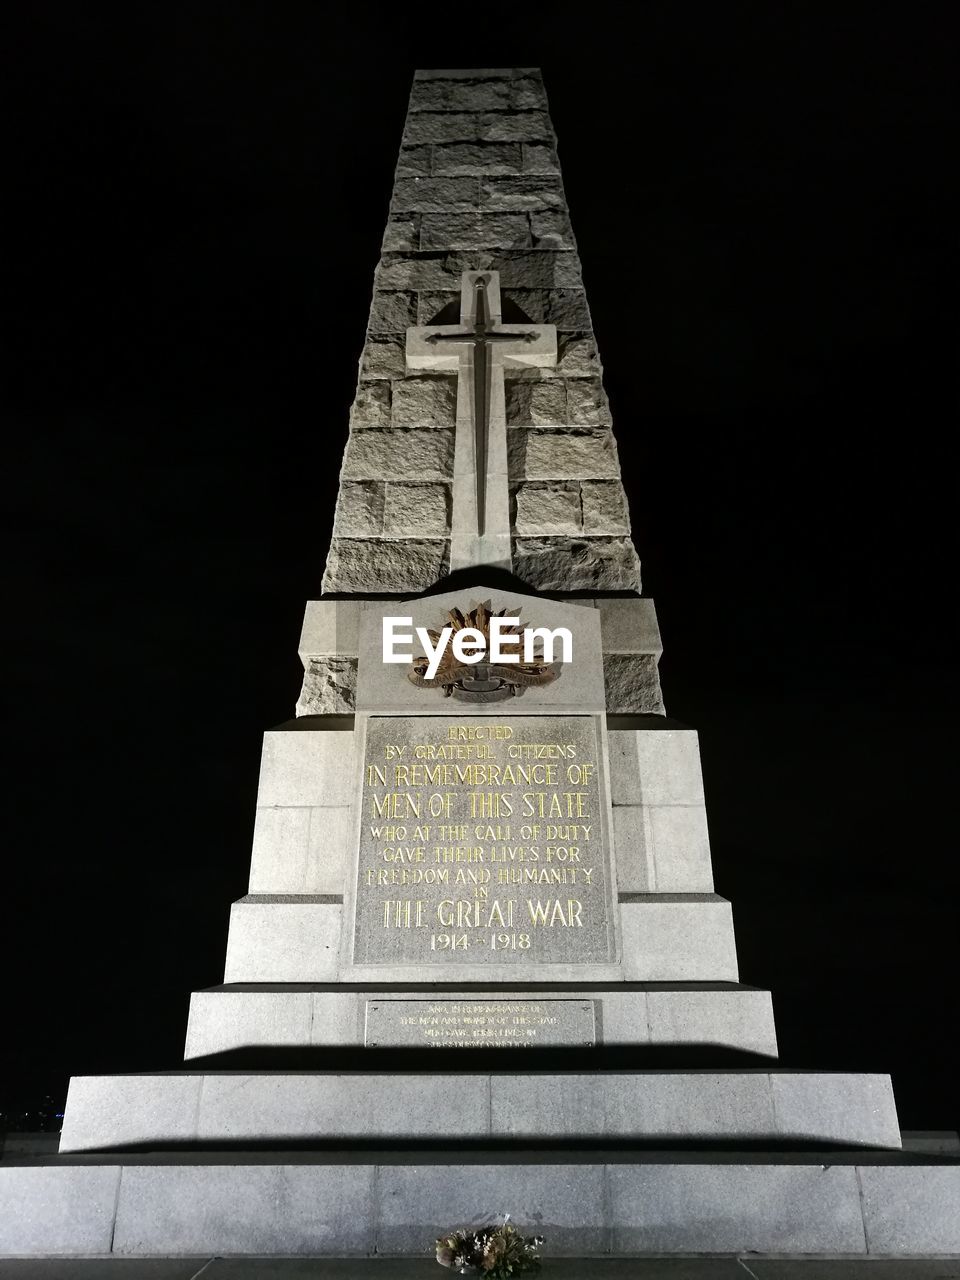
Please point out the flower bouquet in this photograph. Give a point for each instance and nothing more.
(499, 1253)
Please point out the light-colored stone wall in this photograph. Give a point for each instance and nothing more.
(666, 938)
(478, 187)
(675, 928)
(659, 814)
(237, 1017)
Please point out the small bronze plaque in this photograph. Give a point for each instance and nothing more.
(478, 1023)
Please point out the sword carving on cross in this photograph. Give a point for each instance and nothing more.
(480, 337)
(478, 349)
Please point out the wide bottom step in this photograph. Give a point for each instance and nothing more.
(872, 1206)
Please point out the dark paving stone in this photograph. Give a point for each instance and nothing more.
(726, 1268)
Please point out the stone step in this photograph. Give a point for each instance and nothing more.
(183, 1108)
(732, 1018)
(869, 1206)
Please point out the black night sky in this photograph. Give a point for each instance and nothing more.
(763, 199)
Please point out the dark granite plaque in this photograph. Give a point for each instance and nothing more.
(483, 843)
(479, 1023)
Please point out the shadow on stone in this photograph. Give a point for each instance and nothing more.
(456, 1149)
(442, 1060)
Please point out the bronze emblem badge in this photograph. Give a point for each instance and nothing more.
(481, 681)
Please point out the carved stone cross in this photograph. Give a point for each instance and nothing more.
(480, 348)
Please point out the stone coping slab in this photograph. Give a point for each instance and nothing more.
(627, 625)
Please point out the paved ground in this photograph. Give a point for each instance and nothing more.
(721, 1268)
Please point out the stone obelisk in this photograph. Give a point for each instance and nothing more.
(478, 189)
(494, 852)
(478, 195)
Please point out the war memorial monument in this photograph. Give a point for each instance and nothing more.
(481, 965)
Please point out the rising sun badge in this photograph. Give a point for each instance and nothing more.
(482, 681)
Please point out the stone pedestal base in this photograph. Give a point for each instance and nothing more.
(718, 1016)
(591, 1203)
(460, 1103)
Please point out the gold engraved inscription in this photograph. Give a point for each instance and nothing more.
(482, 843)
